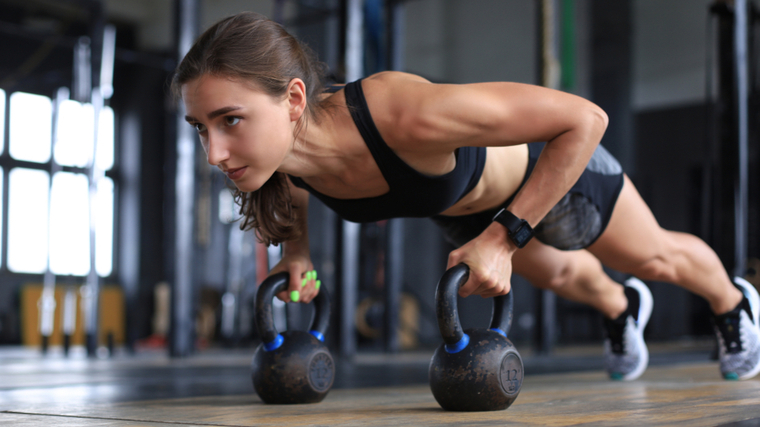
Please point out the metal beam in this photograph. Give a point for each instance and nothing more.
(95, 174)
(183, 289)
(741, 196)
(394, 281)
(351, 231)
(394, 249)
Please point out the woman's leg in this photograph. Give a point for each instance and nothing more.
(573, 275)
(634, 243)
(578, 276)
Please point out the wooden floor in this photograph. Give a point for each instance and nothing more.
(692, 395)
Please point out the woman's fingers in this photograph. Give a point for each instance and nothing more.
(483, 282)
(310, 285)
(486, 284)
(303, 286)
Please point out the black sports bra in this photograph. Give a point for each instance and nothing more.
(411, 194)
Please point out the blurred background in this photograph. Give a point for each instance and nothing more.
(118, 238)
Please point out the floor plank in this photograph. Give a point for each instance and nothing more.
(25, 420)
(692, 395)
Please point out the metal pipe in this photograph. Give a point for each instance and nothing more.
(397, 36)
(350, 245)
(355, 40)
(741, 197)
(93, 280)
(550, 76)
(394, 281)
(47, 303)
(394, 249)
(106, 65)
(182, 325)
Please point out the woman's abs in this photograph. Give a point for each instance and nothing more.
(503, 173)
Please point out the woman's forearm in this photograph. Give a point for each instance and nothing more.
(300, 202)
(561, 163)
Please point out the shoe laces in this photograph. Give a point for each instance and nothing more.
(728, 327)
(616, 334)
(616, 328)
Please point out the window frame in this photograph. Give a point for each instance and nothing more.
(8, 163)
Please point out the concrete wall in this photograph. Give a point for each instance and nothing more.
(482, 40)
(464, 41)
(670, 45)
(155, 18)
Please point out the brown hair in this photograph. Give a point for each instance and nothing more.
(252, 48)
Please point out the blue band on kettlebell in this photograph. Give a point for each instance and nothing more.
(274, 345)
(499, 331)
(318, 335)
(456, 348)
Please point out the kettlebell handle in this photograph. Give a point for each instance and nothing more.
(448, 315)
(265, 318)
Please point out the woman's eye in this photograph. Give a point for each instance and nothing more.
(199, 127)
(231, 120)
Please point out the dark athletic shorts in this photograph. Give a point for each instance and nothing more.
(575, 222)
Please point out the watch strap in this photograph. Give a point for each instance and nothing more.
(518, 230)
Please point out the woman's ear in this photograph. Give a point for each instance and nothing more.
(296, 98)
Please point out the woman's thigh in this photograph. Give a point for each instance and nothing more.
(542, 265)
(633, 237)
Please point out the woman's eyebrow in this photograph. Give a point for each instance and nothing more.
(214, 114)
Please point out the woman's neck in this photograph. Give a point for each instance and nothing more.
(314, 151)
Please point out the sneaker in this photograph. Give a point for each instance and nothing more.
(625, 353)
(739, 336)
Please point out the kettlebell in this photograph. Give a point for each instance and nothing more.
(295, 366)
(475, 369)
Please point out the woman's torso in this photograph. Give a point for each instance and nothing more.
(360, 176)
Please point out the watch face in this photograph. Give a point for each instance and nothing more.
(522, 236)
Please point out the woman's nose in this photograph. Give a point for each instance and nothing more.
(216, 151)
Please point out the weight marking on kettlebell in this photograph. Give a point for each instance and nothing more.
(321, 372)
(511, 373)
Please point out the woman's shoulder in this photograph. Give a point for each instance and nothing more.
(393, 100)
(397, 77)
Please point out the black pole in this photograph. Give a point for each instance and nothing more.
(181, 341)
(394, 280)
(724, 147)
(741, 69)
(92, 321)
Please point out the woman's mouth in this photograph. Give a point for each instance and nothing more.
(235, 174)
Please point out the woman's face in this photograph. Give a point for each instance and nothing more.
(245, 132)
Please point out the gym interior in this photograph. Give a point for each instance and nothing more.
(128, 291)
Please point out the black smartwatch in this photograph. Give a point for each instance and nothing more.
(518, 229)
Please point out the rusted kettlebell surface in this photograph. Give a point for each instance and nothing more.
(475, 369)
(295, 366)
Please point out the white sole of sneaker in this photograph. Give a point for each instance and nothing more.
(754, 302)
(645, 311)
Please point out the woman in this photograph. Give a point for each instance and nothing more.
(462, 154)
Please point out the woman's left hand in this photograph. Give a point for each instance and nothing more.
(489, 257)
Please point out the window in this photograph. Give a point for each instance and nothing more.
(28, 220)
(72, 146)
(49, 219)
(104, 204)
(30, 127)
(70, 224)
(227, 213)
(1, 211)
(2, 121)
(105, 139)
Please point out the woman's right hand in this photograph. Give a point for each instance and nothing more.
(303, 284)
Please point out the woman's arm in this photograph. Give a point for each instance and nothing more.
(437, 119)
(440, 118)
(296, 258)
